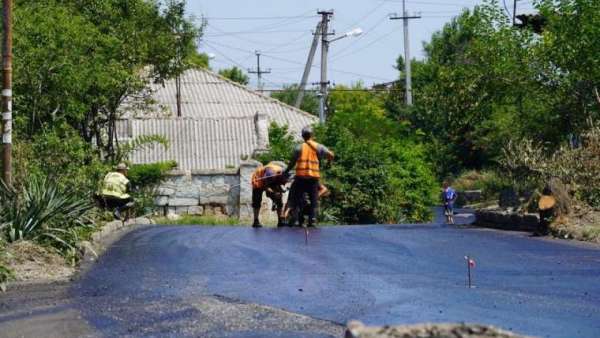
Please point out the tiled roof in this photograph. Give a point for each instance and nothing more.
(195, 143)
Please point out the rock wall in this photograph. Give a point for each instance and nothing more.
(507, 220)
(211, 193)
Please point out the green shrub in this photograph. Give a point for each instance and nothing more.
(41, 210)
(149, 175)
(144, 179)
(281, 144)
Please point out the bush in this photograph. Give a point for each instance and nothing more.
(489, 182)
(281, 144)
(149, 175)
(144, 179)
(530, 163)
(380, 174)
(43, 211)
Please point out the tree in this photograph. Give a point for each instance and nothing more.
(288, 95)
(235, 74)
(77, 61)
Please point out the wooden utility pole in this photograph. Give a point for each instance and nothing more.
(325, 17)
(259, 72)
(309, 61)
(7, 92)
(407, 71)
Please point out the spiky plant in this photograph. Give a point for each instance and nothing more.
(41, 210)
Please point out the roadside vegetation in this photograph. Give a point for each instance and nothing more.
(195, 220)
(74, 64)
(493, 105)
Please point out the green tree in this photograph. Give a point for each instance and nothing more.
(288, 94)
(235, 74)
(380, 173)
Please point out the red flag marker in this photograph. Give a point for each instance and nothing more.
(470, 265)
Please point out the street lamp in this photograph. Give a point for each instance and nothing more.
(325, 48)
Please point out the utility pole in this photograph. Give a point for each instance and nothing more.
(309, 62)
(7, 93)
(325, 17)
(514, 11)
(407, 72)
(259, 72)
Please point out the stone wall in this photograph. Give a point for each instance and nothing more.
(211, 193)
(507, 220)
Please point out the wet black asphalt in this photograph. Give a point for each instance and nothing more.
(379, 274)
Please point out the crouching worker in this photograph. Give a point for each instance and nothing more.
(114, 191)
(270, 179)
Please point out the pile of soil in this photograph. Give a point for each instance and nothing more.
(358, 330)
(32, 262)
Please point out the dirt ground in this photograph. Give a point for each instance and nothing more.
(31, 262)
(582, 226)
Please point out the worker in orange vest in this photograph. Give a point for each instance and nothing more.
(307, 158)
(270, 179)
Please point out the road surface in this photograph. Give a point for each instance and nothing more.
(244, 282)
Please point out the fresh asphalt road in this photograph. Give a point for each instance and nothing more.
(377, 274)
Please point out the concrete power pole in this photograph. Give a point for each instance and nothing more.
(325, 17)
(514, 16)
(7, 93)
(407, 71)
(259, 72)
(309, 61)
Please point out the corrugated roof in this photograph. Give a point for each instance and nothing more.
(205, 94)
(194, 143)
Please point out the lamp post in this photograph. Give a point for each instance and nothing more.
(325, 48)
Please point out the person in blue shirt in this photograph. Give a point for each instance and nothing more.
(448, 198)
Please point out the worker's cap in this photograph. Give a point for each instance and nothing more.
(307, 132)
(122, 166)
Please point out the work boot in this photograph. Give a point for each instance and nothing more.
(281, 223)
(256, 224)
(311, 222)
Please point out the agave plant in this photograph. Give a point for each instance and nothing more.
(41, 209)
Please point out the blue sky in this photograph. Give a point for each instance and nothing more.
(282, 31)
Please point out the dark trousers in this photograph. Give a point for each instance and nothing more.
(118, 204)
(304, 186)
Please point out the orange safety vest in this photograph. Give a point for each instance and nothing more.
(307, 164)
(258, 180)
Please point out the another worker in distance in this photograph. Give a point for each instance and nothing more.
(270, 179)
(448, 198)
(307, 158)
(114, 191)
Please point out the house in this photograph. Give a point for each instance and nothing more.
(220, 125)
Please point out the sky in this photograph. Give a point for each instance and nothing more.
(282, 31)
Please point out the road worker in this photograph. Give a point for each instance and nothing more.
(270, 179)
(305, 206)
(306, 158)
(114, 191)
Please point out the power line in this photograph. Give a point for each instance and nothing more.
(381, 37)
(262, 17)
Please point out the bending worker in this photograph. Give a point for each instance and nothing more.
(114, 190)
(269, 179)
(306, 159)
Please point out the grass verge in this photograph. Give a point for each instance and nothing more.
(198, 220)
